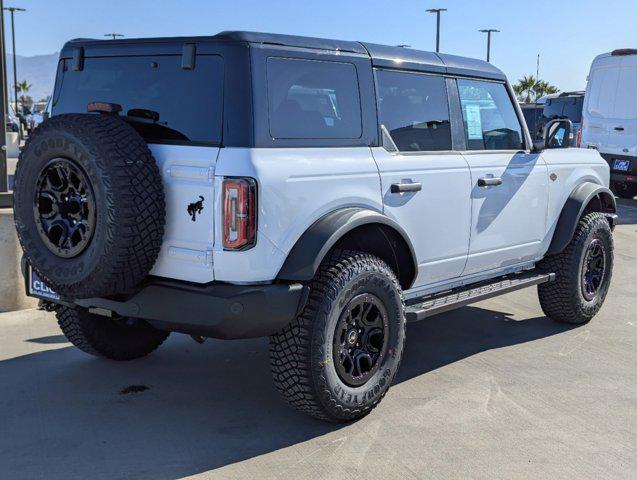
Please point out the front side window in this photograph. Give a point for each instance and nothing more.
(160, 99)
(490, 120)
(310, 99)
(414, 110)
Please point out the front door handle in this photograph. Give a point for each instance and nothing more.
(406, 187)
(619, 129)
(489, 182)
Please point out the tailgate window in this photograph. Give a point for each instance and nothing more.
(164, 102)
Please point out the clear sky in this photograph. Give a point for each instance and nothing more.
(567, 34)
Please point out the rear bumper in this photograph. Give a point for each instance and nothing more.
(214, 310)
(218, 311)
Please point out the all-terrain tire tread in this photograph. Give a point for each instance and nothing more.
(560, 300)
(294, 351)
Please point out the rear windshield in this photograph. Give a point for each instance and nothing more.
(163, 101)
(568, 107)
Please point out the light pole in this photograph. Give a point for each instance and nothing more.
(5, 198)
(489, 31)
(114, 35)
(15, 72)
(437, 11)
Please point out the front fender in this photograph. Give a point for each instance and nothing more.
(309, 251)
(573, 209)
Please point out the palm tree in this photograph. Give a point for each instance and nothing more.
(24, 88)
(544, 88)
(524, 87)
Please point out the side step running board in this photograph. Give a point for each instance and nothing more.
(459, 297)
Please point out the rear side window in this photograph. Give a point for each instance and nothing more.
(164, 102)
(310, 99)
(414, 110)
(490, 120)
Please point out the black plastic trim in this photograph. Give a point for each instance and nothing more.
(308, 252)
(573, 209)
(216, 310)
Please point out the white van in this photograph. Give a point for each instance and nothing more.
(610, 116)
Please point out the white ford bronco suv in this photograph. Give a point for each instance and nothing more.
(319, 192)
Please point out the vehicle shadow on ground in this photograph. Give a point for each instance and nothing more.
(73, 416)
(626, 211)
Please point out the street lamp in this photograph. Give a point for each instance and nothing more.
(15, 72)
(489, 31)
(114, 35)
(437, 11)
(5, 197)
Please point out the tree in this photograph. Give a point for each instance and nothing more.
(524, 88)
(544, 88)
(529, 88)
(24, 88)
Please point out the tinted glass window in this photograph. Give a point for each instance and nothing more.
(553, 108)
(573, 109)
(567, 107)
(313, 99)
(489, 117)
(160, 99)
(414, 110)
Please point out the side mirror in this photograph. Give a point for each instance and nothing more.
(557, 133)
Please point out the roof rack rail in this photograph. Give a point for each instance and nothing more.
(624, 51)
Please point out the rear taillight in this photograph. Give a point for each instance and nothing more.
(578, 140)
(239, 213)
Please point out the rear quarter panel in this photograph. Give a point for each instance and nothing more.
(296, 187)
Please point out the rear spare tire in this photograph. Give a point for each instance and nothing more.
(89, 205)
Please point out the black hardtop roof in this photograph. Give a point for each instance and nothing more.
(381, 55)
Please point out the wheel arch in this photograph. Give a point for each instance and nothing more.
(585, 198)
(352, 228)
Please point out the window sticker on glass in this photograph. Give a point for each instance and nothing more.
(474, 121)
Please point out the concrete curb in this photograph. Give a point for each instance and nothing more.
(12, 296)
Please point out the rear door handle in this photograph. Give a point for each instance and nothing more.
(619, 129)
(406, 187)
(489, 182)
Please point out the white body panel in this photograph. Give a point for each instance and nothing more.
(461, 233)
(187, 173)
(296, 187)
(610, 105)
(437, 219)
(508, 221)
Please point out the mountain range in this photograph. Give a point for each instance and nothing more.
(39, 71)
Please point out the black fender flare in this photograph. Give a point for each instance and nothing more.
(575, 205)
(307, 254)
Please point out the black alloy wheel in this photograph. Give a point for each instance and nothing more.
(64, 208)
(593, 269)
(360, 339)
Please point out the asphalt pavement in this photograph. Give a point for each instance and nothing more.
(494, 390)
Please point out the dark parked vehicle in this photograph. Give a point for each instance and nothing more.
(533, 116)
(566, 105)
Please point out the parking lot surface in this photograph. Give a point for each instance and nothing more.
(495, 390)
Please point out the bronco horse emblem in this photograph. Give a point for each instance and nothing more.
(195, 208)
